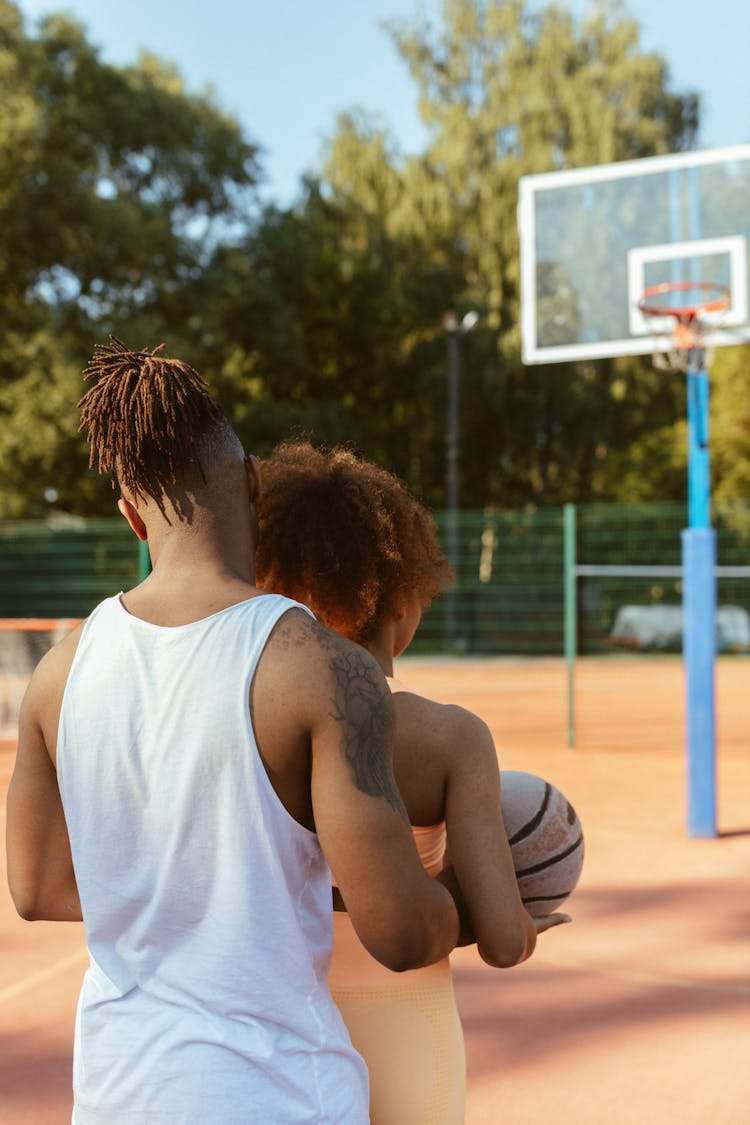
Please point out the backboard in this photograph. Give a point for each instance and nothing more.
(592, 239)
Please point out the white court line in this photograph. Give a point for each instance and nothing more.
(21, 986)
(733, 988)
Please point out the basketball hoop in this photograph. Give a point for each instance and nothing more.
(689, 312)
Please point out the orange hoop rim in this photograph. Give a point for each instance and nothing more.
(685, 314)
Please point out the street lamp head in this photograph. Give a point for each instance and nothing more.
(452, 324)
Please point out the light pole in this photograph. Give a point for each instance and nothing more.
(454, 330)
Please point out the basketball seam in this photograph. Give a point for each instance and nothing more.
(546, 898)
(535, 821)
(552, 860)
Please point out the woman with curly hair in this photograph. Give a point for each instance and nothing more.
(348, 539)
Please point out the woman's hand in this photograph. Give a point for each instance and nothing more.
(547, 921)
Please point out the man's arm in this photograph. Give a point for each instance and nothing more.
(40, 868)
(402, 916)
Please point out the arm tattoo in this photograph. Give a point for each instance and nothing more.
(363, 708)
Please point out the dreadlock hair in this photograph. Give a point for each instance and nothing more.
(344, 537)
(148, 418)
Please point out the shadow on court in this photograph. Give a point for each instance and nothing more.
(549, 1016)
(35, 1080)
(601, 1049)
(642, 1005)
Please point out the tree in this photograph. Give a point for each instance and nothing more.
(508, 90)
(729, 374)
(116, 186)
(129, 206)
(328, 326)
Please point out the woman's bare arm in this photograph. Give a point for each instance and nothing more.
(446, 767)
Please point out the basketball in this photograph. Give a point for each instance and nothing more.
(546, 840)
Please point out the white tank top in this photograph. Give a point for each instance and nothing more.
(207, 907)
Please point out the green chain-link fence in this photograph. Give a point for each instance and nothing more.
(509, 593)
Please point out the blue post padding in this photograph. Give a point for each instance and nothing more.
(699, 647)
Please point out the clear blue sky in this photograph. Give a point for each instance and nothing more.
(287, 67)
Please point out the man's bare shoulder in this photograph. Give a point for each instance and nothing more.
(294, 628)
(41, 704)
(55, 665)
(300, 635)
(313, 657)
(333, 689)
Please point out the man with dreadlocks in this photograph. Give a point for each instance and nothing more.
(188, 760)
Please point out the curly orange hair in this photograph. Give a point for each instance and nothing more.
(344, 537)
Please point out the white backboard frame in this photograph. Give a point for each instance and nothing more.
(734, 247)
(643, 335)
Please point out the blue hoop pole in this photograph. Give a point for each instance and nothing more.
(699, 610)
(699, 485)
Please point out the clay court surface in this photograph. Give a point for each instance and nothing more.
(636, 1014)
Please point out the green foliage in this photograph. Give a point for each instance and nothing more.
(115, 184)
(506, 91)
(330, 322)
(127, 204)
(730, 423)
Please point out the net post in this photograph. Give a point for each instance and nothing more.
(570, 584)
